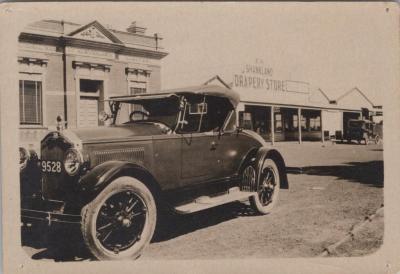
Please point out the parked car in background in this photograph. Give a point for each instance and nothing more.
(363, 131)
(179, 150)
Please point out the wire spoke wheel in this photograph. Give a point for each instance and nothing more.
(268, 188)
(120, 221)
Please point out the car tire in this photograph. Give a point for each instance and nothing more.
(125, 208)
(377, 139)
(258, 201)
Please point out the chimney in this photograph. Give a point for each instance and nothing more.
(134, 28)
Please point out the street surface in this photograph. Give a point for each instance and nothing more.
(333, 187)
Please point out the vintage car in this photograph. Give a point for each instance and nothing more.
(179, 150)
(363, 130)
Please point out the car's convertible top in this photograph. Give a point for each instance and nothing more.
(211, 90)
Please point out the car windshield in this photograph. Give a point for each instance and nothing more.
(161, 110)
(356, 123)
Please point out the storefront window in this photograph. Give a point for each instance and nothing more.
(278, 122)
(311, 120)
(295, 121)
(245, 120)
(257, 118)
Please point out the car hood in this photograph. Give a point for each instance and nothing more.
(145, 130)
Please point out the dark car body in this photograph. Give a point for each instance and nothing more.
(363, 130)
(195, 151)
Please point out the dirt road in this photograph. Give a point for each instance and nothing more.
(332, 188)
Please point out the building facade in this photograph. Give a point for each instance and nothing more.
(291, 110)
(68, 70)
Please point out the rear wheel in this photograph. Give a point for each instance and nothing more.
(120, 221)
(377, 139)
(268, 192)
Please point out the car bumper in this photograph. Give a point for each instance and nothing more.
(29, 215)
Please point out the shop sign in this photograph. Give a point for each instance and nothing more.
(260, 77)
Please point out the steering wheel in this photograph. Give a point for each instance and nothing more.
(144, 114)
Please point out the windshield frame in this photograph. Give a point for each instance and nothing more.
(115, 106)
(180, 116)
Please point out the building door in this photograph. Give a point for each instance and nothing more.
(88, 112)
(91, 94)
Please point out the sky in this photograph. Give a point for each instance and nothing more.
(332, 46)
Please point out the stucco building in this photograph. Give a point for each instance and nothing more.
(68, 69)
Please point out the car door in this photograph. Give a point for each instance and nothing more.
(198, 146)
(198, 157)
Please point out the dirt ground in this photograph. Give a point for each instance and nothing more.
(332, 189)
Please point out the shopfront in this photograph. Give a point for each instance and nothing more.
(292, 110)
(283, 124)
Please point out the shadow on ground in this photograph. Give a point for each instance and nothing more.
(63, 244)
(58, 243)
(370, 173)
(172, 225)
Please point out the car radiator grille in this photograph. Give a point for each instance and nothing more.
(55, 186)
(127, 154)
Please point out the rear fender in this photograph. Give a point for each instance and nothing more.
(92, 183)
(266, 153)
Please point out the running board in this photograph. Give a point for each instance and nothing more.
(205, 202)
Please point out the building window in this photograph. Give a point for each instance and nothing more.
(30, 102)
(278, 122)
(311, 120)
(295, 120)
(257, 118)
(137, 88)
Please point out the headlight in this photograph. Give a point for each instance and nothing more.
(72, 161)
(24, 157)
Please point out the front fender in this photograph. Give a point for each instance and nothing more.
(92, 183)
(264, 153)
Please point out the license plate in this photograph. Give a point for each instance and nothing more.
(51, 166)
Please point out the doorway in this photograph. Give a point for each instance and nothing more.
(91, 93)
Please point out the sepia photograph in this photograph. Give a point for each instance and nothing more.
(206, 131)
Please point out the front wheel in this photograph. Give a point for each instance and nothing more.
(120, 221)
(268, 191)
